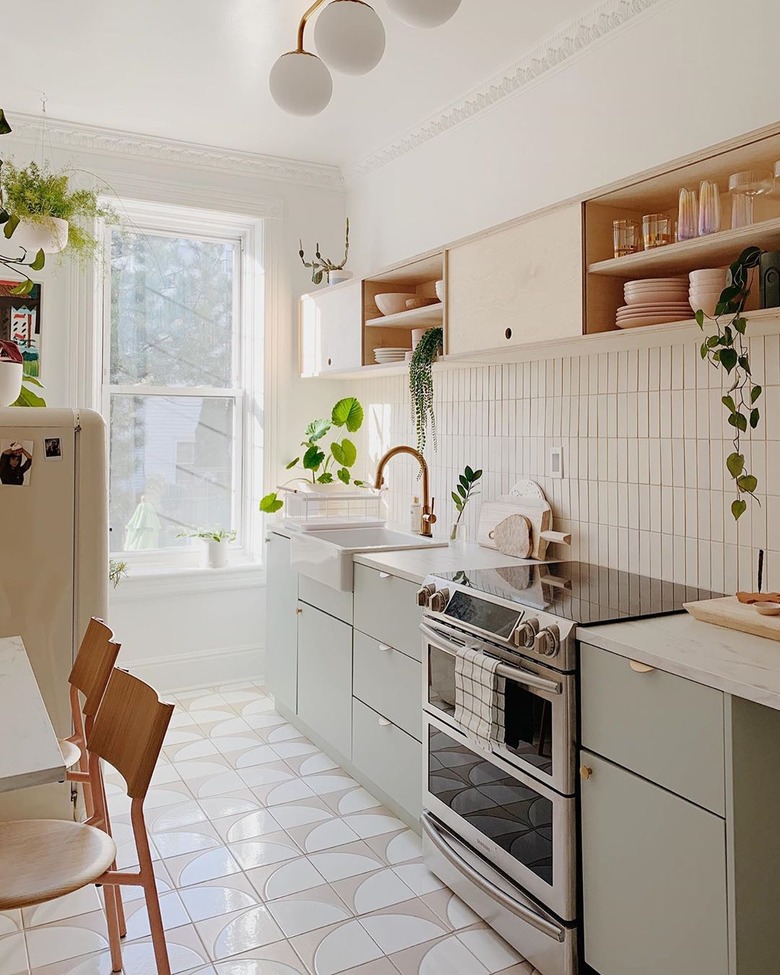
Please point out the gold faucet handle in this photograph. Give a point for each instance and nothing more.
(430, 517)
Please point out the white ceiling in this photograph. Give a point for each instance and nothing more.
(197, 70)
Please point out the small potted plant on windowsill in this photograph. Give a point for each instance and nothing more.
(217, 541)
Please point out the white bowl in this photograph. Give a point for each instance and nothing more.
(708, 274)
(767, 609)
(707, 304)
(391, 304)
(439, 286)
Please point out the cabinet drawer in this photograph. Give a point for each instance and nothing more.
(654, 878)
(325, 677)
(386, 609)
(388, 681)
(334, 602)
(387, 756)
(664, 728)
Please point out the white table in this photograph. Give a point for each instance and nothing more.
(29, 754)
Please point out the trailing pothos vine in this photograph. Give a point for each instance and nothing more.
(727, 349)
(421, 385)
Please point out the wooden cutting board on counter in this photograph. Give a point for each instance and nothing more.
(734, 615)
(493, 513)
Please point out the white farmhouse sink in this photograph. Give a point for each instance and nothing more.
(327, 555)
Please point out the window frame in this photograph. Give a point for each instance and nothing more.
(249, 297)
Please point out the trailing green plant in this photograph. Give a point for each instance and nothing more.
(40, 194)
(116, 570)
(421, 385)
(317, 458)
(209, 534)
(727, 350)
(319, 265)
(466, 490)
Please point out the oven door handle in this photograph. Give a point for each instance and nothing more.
(457, 861)
(523, 677)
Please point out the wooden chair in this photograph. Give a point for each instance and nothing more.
(89, 677)
(44, 859)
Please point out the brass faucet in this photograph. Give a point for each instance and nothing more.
(427, 517)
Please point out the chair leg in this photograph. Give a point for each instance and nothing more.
(112, 920)
(149, 882)
(120, 907)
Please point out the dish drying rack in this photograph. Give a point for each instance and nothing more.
(315, 507)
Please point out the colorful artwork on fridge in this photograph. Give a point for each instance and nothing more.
(20, 322)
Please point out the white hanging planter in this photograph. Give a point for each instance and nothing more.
(10, 382)
(217, 554)
(49, 235)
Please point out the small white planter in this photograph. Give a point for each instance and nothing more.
(217, 554)
(49, 235)
(336, 277)
(10, 382)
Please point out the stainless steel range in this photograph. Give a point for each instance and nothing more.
(499, 826)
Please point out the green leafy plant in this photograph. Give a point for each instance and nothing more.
(466, 490)
(116, 570)
(321, 266)
(209, 534)
(726, 349)
(317, 458)
(39, 194)
(28, 396)
(421, 385)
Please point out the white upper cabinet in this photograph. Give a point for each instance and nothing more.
(517, 285)
(331, 329)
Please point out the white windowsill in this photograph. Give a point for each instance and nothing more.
(143, 581)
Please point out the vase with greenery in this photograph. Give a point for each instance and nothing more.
(319, 461)
(726, 349)
(466, 490)
(421, 385)
(116, 571)
(322, 267)
(217, 541)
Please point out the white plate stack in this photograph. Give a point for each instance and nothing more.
(654, 301)
(386, 356)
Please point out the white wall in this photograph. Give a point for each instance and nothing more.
(192, 628)
(685, 75)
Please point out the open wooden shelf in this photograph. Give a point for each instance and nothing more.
(430, 315)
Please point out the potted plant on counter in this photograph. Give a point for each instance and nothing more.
(217, 541)
(466, 490)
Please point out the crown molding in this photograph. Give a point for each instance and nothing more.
(570, 41)
(61, 134)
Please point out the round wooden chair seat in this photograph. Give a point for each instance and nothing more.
(41, 859)
(70, 753)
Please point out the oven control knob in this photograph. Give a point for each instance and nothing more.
(548, 641)
(424, 594)
(439, 599)
(525, 634)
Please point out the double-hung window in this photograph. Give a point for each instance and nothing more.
(180, 377)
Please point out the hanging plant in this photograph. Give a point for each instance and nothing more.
(320, 266)
(421, 385)
(727, 350)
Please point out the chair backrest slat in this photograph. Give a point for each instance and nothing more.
(129, 730)
(94, 663)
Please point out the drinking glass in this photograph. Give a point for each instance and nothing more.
(709, 207)
(626, 237)
(688, 215)
(744, 187)
(656, 230)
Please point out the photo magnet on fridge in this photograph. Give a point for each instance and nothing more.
(52, 448)
(15, 462)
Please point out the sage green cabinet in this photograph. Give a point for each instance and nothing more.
(654, 878)
(281, 653)
(325, 677)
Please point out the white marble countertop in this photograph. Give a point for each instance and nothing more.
(415, 564)
(741, 664)
(34, 757)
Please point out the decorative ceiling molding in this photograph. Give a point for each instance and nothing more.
(552, 52)
(88, 138)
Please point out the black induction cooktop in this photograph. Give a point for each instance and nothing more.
(578, 591)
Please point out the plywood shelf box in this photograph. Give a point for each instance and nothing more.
(429, 316)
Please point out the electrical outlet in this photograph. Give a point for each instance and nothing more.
(556, 462)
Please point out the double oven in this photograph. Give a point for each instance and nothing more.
(499, 827)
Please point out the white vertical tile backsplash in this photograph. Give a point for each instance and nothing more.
(644, 440)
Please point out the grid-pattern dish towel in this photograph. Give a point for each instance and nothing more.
(479, 697)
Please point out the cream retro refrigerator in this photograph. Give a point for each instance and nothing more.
(53, 559)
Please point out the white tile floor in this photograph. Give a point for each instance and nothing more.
(270, 860)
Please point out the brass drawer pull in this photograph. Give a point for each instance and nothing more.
(585, 772)
(640, 668)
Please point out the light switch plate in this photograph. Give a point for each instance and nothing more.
(556, 462)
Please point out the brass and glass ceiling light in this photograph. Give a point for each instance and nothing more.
(349, 38)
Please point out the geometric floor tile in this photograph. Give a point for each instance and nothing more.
(270, 860)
